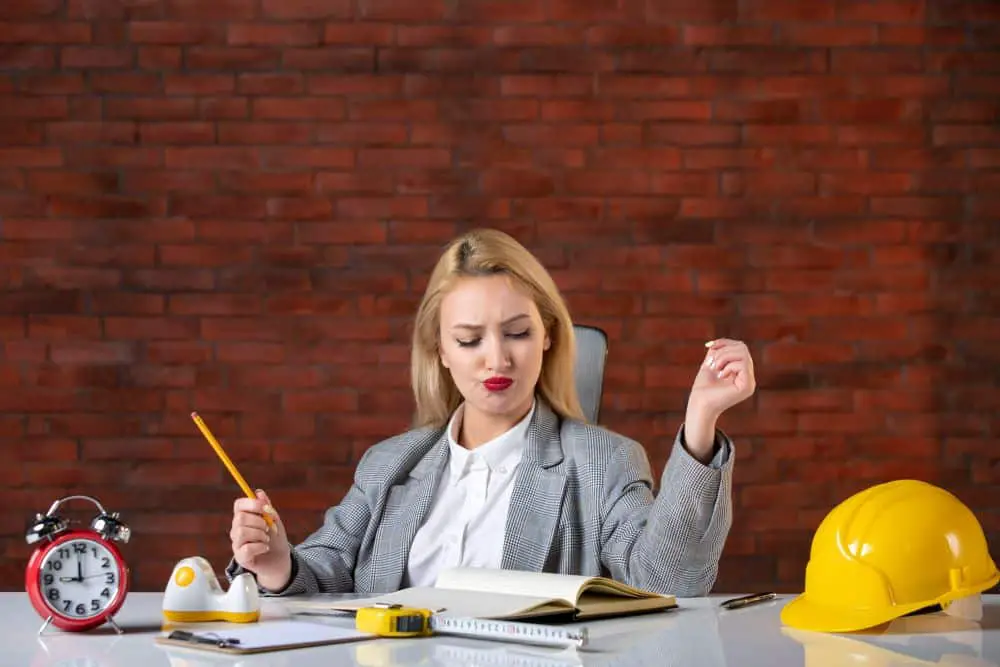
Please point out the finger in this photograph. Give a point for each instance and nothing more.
(717, 360)
(732, 369)
(720, 344)
(268, 506)
(248, 552)
(740, 374)
(249, 520)
(241, 535)
(244, 504)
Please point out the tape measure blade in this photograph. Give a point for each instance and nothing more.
(531, 633)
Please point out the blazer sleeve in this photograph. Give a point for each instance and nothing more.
(324, 562)
(671, 542)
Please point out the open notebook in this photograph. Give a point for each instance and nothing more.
(509, 594)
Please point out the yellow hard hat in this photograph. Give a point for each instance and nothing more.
(888, 551)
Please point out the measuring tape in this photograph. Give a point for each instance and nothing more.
(393, 620)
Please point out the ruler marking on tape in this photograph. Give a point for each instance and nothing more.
(509, 630)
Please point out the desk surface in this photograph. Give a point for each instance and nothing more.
(698, 633)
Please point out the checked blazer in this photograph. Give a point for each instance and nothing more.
(582, 503)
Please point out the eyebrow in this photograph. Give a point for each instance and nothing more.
(476, 327)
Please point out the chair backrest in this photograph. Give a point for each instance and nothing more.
(591, 356)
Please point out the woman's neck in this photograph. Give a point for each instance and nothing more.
(478, 428)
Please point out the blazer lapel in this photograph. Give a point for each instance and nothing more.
(537, 497)
(405, 508)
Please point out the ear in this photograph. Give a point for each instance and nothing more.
(547, 343)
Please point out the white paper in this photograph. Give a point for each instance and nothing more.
(266, 634)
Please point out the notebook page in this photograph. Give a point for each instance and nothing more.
(453, 603)
(564, 587)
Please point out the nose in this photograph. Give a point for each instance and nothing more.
(496, 354)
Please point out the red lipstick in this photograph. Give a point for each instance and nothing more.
(497, 383)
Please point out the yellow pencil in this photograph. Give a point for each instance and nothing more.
(225, 460)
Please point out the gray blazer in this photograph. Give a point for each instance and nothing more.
(582, 503)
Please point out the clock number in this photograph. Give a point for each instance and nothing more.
(79, 548)
(54, 565)
(105, 593)
(80, 609)
(105, 562)
(53, 594)
(63, 552)
(95, 605)
(110, 578)
(67, 604)
(47, 579)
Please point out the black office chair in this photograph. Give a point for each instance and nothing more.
(591, 357)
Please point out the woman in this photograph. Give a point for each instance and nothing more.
(501, 470)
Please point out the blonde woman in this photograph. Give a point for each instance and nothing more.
(501, 470)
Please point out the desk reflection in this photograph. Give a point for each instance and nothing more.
(937, 639)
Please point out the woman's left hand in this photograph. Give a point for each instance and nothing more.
(725, 378)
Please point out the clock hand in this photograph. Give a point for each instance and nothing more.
(79, 569)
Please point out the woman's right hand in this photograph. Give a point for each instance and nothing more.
(257, 548)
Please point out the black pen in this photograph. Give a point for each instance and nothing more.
(747, 600)
(209, 638)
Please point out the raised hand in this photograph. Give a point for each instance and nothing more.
(259, 549)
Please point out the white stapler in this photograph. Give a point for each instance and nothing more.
(194, 595)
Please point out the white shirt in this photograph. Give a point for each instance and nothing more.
(466, 524)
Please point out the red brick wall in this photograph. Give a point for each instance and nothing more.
(231, 206)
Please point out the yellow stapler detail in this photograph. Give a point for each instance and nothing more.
(194, 595)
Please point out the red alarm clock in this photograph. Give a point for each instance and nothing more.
(77, 579)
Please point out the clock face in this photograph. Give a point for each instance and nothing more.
(79, 578)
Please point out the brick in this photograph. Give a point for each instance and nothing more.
(223, 10)
(500, 11)
(919, 35)
(174, 33)
(26, 9)
(295, 158)
(787, 11)
(881, 11)
(866, 183)
(670, 11)
(96, 57)
(298, 109)
(534, 35)
(769, 183)
(44, 33)
(262, 34)
(771, 135)
(177, 133)
(236, 58)
(632, 35)
(402, 10)
(666, 110)
(828, 35)
(34, 108)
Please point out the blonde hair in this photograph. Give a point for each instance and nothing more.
(487, 252)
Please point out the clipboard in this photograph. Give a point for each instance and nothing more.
(278, 635)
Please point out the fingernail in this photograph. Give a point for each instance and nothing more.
(720, 374)
(268, 509)
(710, 343)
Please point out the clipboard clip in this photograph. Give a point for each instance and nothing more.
(209, 638)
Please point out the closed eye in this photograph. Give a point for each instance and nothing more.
(472, 342)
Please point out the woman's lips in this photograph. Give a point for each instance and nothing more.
(497, 383)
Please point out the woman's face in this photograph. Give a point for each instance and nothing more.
(492, 342)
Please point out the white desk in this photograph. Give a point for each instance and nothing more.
(698, 634)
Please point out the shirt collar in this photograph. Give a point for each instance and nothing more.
(503, 450)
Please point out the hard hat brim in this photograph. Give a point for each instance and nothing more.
(804, 614)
